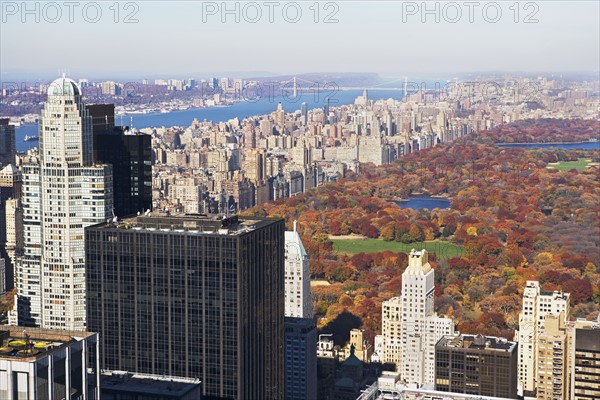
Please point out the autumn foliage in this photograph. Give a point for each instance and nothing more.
(516, 218)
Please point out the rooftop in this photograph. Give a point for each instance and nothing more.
(215, 224)
(63, 87)
(477, 342)
(158, 385)
(29, 344)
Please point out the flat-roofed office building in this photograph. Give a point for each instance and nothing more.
(476, 365)
(48, 364)
(191, 296)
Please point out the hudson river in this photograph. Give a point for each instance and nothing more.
(217, 114)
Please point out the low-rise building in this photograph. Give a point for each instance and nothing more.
(476, 365)
(45, 364)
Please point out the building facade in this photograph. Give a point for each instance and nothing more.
(391, 331)
(300, 358)
(298, 298)
(585, 376)
(11, 220)
(62, 194)
(300, 328)
(14, 229)
(553, 361)
(121, 385)
(8, 148)
(476, 365)
(45, 364)
(410, 326)
(196, 297)
(536, 306)
(130, 154)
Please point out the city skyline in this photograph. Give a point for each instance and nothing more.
(188, 208)
(440, 37)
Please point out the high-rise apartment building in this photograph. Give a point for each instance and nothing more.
(536, 306)
(62, 194)
(2, 276)
(476, 365)
(391, 331)
(13, 234)
(411, 328)
(10, 193)
(553, 361)
(197, 297)
(8, 148)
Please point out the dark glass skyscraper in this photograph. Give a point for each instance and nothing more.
(7, 142)
(198, 297)
(130, 155)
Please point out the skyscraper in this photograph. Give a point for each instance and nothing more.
(7, 142)
(536, 306)
(298, 299)
(13, 213)
(410, 337)
(197, 297)
(130, 154)
(553, 362)
(300, 358)
(300, 329)
(62, 194)
(10, 213)
(304, 111)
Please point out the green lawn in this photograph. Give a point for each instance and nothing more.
(579, 165)
(444, 250)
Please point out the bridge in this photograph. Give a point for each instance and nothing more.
(331, 85)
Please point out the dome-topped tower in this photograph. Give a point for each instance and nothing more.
(63, 193)
(64, 86)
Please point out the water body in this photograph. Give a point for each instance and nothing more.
(419, 203)
(240, 110)
(567, 146)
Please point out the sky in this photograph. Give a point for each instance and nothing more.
(182, 39)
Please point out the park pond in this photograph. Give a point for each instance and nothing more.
(419, 203)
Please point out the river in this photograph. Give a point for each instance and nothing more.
(217, 114)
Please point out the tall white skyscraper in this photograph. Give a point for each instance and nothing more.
(298, 299)
(62, 194)
(536, 306)
(300, 328)
(410, 326)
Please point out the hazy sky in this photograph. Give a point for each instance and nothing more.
(176, 39)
